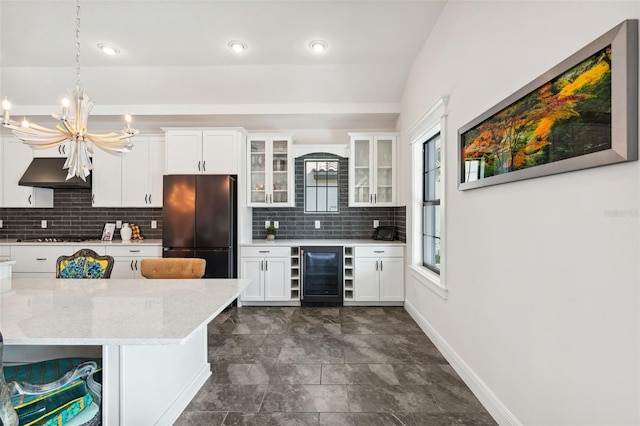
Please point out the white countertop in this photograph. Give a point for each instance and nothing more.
(96, 242)
(111, 311)
(317, 242)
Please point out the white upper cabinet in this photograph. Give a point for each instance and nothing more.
(192, 151)
(16, 158)
(372, 170)
(131, 180)
(271, 171)
(142, 171)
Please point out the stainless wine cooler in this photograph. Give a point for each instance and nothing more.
(321, 276)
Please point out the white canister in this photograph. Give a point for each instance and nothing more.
(125, 232)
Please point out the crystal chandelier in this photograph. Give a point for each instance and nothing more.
(72, 128)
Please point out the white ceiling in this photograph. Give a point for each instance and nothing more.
(175, 68)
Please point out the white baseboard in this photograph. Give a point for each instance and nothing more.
(487, 398)
(172, 413)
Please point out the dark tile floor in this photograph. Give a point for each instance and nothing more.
(328, 366)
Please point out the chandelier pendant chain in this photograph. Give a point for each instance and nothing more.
(78, 44)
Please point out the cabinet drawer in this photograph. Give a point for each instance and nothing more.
(262, 251)
(379, 251)
(36, 258)
(134, 250)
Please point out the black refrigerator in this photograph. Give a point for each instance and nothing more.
(199, 219)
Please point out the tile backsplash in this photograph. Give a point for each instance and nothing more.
(72, 215)
(348, 223)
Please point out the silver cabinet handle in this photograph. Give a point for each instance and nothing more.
(149, 198)
(375, 198)
(381, 265)
(266, 265)
(134, 251)
(370, 198)
(132, 265)
(199, 165)
(93, 198)
(136, 265)
(378, 251)
(261, 265)
(145, 198)
(204, 166)
(41, 258)
(29, 200)
(376, 265)
(264, 251)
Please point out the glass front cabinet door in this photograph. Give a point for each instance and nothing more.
(372, 171)
(270, 165)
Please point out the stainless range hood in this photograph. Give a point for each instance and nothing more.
(48, 173)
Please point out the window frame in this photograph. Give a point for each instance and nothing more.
(427, 202)
(432, 122)
(337, 186)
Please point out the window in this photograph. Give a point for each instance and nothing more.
(431, 211)
(321, 186)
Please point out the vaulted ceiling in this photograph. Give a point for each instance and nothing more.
(175, 67)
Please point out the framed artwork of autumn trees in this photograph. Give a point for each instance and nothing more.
(582, 113)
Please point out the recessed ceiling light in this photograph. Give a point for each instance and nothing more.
(237, 46)
(318, 46)
(108, 49)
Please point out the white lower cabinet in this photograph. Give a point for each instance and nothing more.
(269, 269)
(127, 259)
(379, 274)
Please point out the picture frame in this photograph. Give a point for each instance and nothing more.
(582, 113)
(108, 231)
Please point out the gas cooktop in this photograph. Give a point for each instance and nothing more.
(52, 239)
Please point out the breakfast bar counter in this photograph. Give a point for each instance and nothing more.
(152, 335)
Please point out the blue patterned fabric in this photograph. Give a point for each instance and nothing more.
(83, 267)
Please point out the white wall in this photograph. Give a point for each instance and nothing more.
(543, 304)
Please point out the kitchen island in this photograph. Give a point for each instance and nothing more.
(151, 334)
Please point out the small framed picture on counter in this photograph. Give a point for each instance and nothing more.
(107, 232)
